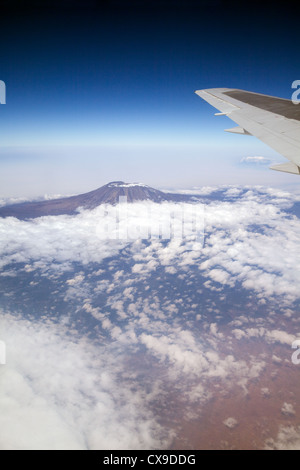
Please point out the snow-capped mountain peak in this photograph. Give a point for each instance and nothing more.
(121, 184)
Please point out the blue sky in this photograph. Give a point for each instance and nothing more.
(98, 95)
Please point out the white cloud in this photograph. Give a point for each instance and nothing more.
(288, 438)
(185, 355)
(265, 260)
(270, 336)
(281, 337)
(239, 334)
(220, 276)
(230, 423)
(233, 251)
(288, 409)
(170, 269)
(62, 392)
(265, 392)
(256, 160)
(75, 280)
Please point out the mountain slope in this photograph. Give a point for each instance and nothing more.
(107, 194)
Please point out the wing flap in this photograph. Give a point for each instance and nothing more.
(238, 130)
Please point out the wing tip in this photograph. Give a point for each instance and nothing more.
(286, 167)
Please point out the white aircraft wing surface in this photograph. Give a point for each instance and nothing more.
(275, 121)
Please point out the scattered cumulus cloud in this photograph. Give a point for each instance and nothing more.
(288, 409)
(288, 438)
(91, 396)
(256, 160)
(230, 423)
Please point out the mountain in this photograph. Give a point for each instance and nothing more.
(107, 194)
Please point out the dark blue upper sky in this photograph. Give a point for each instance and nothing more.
(110, 92)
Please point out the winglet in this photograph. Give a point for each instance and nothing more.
(287, 168)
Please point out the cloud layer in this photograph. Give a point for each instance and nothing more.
(114, 343)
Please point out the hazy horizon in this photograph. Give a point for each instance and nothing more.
(94, 95)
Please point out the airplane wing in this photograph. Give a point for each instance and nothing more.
(275, 121)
